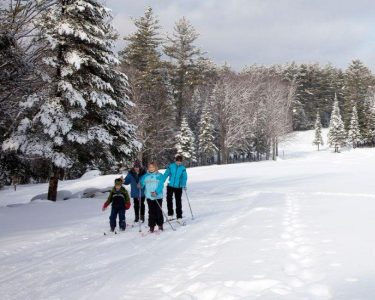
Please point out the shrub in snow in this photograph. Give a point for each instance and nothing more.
(318, 140)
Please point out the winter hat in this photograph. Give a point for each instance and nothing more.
(118, 181)
(137, 164)
(179, 157)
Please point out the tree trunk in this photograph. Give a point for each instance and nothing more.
(53, 183)
(277, 147)
(274, 149)
(225, 155)
(61, 174)
(52, 188)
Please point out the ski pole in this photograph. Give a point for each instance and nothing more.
(140, 209)
(187, 197)
(165, 216)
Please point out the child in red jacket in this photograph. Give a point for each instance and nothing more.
(120, 200)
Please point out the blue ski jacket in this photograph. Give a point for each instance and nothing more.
(153, 182)
(177, 175)
(133, 179)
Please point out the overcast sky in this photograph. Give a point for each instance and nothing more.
(244, 32)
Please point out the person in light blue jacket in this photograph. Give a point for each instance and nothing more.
(153, 184)
(177, 174)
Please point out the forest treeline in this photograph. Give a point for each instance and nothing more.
(69, 103)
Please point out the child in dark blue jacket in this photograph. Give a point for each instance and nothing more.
(133, 178)
(120, 200)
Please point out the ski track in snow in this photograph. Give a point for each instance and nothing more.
(298, 229)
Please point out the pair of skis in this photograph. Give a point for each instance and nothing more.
(178, 221)
(115, 232)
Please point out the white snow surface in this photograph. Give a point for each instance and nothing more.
(298, 228)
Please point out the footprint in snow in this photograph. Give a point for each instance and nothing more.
(335, 265)
(304, 250)
(286, 236)
(257, 261)
(320, 292)
(296, 283)
(259, 276)
(311, 276)
(291, 269)
(295, 256)
(307, 262)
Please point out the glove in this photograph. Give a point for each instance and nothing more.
(105, 205)
(127, 205)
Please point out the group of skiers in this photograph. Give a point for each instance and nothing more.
(148, 185)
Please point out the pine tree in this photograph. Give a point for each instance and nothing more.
(354, 134)
(336, 133)
(206, 144)
(186, 142)
(79, 118)
(151, 90)
(143, 48)
(318, 140)
(368, 133)
(300, 121)
(357, 79)
(186, 67)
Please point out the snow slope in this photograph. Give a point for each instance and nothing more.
(298, 228)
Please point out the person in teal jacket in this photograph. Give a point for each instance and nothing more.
(176, 172)
(153, 184)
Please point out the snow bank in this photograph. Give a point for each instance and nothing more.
(91, 174)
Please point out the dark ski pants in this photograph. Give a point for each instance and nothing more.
(177, 192)
(155, 215)
(136, 208)
(121, 217)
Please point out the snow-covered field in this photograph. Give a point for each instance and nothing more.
(298, 228)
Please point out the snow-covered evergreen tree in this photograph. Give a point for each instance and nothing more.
(318, 139)
(206, 139)
(80, 117)
(354, 133)
(186, 142)
(336, 133)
